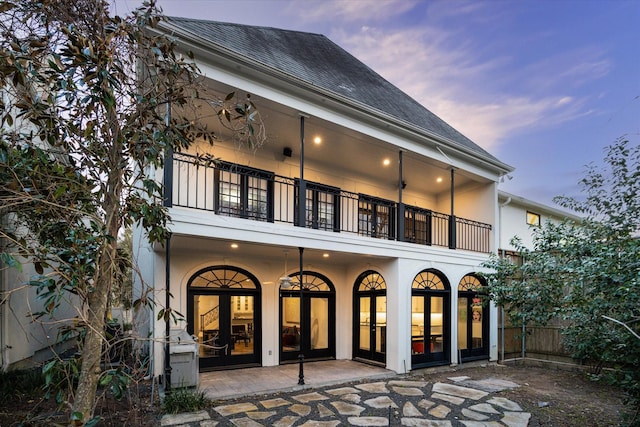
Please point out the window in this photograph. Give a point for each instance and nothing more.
(417, 225)
(533, 218)
(322, 206)
(376, 217)
(244, 192)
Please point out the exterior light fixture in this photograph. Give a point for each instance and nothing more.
(285, 280)
(317, 140)
(439, 179)
(386, 162)
(234, 246)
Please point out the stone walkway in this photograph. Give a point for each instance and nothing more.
(393, 402)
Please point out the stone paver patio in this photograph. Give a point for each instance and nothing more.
(391, 402)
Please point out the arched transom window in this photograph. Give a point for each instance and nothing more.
(311, 281)
(428, 280)
(372, 281)
(470, 283)
(222, 277)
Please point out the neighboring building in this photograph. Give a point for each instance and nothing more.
(25, 341)
(520, 217)
(398, 212)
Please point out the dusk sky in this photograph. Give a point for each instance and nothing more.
(543, 85)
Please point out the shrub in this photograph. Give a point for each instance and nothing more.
(184, 400)
(18, 383)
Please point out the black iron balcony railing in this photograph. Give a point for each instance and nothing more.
(234, 190)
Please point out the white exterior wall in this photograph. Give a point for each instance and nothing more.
(398, 263)
(27, 341)
(200, 235)
(513, 219)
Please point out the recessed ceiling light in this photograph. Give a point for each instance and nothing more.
(317, 140)
(386, 162)
(325, 255)
(234, 246)
(439, 179)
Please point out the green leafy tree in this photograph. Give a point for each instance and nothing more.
(84, 118)
(587, 273)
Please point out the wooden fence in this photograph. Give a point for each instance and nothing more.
(541, 342)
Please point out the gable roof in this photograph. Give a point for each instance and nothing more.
(317, 61)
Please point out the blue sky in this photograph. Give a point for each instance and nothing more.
(543, 85)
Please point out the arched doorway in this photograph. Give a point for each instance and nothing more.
(430, 337)
(473, 320)
(370, 317)
(317, 312)
(223, 309)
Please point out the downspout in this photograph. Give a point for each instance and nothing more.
(167, 317)
(3, 347)
(168, 202)
(499, 244)
(524, 327)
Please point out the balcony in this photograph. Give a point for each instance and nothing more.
(235, 190)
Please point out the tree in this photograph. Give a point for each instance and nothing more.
(587, 273)
(91, 103)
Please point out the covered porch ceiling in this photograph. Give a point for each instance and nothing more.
(342, 149)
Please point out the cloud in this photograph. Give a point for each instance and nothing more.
(469, 62)
(351, 11)
(569, 68)
(488, 97)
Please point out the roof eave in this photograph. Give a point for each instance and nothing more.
(206, 48)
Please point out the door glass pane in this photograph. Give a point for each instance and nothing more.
(381, 324)
(206, 321)
(436, 326)
(365, 215)
(257, 198)
(417, 325)
(476, 326)
(382, 222)
(462, 323)
(290, 324)
(365, 323)
(319, 323)
(229, 197)
(242, 321)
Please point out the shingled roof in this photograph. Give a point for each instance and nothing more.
(316, 60)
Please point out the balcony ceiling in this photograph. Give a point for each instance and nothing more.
(344, 151)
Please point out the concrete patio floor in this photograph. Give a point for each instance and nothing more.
(234, 383)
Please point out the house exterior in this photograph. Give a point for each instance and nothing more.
(377, 207)
(25, 339)
(520, 217)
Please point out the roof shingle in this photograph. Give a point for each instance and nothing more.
(316, 60)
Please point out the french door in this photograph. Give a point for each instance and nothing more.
(370, 317)
(430, 337)
(473, 320)
(307, 328)
(224, 311)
